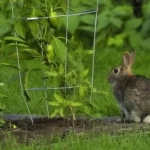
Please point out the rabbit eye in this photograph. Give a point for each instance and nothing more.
(116, 70)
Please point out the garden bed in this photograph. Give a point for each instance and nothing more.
(22, 127)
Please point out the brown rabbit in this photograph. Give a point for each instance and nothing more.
(131, 91)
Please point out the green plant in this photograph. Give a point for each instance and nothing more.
(37, 48)
(42, 47)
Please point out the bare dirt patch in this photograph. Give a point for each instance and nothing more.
(43, 127)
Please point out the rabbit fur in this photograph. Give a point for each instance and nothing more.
(131, 91)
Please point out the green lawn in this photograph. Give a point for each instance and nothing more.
(106, 142)
(107, 106)
(104, 62)
(134, 141)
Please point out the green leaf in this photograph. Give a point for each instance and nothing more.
(20, 28)
(34, 27)
(31, 52)
(84, 73)
(88, 19)
(103, 20)
(61, 112)
(88, 52)
(86, 28)
(25, 83)
(61, 69)
(73, 23)
(58, 98)
(145, 29)
(71, 78)
(115, 41)
(5, 23)
(82, 90)
(34, 64)
(122, 11)
(93, 105)
(59, 48)
(22, 56)
(54, 103)
(9, 65)
(116, 22)
(13, 38)
(75, 104)
(133, 23)
(51, 73)
(87, 110)
(18, 44)
(54, 114)
(118, 40)
(36, 12)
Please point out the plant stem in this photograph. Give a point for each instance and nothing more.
(73, 119)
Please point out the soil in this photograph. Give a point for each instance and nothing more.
(43, 127)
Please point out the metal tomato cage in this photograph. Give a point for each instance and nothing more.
(67, 15)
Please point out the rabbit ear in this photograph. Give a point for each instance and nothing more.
(126, 59)
(132, 57)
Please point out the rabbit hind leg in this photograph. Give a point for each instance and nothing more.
(146, 119)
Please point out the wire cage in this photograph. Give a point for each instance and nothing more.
(44, 88)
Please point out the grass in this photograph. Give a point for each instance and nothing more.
(104, 62)
(106, 142)
(106, 104)
(15, 104)
(89, 141)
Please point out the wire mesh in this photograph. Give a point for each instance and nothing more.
(45, 88)
(19, 72)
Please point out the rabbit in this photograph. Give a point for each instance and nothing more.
(131, 91)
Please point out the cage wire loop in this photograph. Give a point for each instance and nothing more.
(85, 12)
(52, 88)
(67, 25)
(19, 72)
(67, 15)
(94, 47)
(45, 91)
